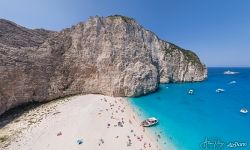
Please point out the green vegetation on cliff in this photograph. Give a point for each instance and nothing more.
(126, 19)
(189, 55)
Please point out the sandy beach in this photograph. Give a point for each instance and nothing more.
(78, 122)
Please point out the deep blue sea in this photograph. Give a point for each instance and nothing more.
(205, 120)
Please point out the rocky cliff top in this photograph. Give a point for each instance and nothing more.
(112, 55)
(14, 35)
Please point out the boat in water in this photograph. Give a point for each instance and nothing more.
(149, 122)
(243, 110)
(220, 90)
(230, 72)
(232, 82)
(191, 92)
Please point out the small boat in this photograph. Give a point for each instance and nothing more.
(232, 82)
(149, 122)
(230, 72)
(243, 110)
(191, 92)
(220, 90)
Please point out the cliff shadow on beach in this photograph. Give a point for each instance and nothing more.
(16, 112)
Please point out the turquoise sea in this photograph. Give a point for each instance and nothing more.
(205, 120)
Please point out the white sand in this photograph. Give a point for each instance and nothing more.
(92, 118)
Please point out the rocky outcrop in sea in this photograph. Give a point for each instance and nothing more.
(112, 55)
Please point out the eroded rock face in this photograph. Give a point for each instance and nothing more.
(112, 56)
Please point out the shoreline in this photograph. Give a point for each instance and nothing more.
(155, 133)
(99, 122)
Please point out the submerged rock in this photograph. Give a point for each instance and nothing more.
(106, 55)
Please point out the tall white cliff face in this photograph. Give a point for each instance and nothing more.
(113, 56)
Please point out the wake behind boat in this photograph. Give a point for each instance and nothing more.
(230, 72)
(149, 122)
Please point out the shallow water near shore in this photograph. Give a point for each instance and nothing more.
(205, 120)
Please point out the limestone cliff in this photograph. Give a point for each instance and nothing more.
(113, 56)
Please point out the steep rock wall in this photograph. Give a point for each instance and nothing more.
(113, 56)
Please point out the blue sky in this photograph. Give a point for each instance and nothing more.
(217, 30)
